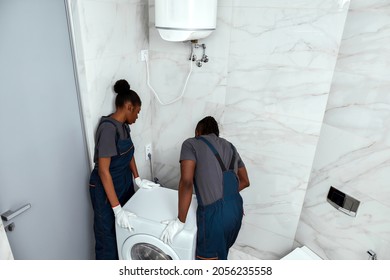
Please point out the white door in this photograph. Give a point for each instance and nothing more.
(43, 159)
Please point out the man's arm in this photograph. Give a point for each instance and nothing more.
(243, 178)
(187, 168)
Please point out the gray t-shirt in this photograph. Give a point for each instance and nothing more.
(105, 138)
(208, 173)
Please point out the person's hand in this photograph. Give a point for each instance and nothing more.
(145, 184)
(123, 217)
(172, 229)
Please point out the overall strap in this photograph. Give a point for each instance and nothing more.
(215, 152)
(198, 196)
(127, 129)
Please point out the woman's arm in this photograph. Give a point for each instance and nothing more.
(187, 168)
(243, 178)
(105, 176)
(133, 168)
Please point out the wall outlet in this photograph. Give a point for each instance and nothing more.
(144, 55)
(148, 150)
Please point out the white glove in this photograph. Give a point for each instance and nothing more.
(145, 184)
(173, 228)
(123, 217)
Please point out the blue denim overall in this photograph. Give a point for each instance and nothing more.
(219, 222)
(104, 219)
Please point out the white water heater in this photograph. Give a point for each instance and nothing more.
(185, 20)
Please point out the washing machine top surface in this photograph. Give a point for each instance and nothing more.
(159, 204)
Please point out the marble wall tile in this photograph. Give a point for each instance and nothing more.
(353, 163)
(225, 3)
(110, 27)
(299, 93)
(104, 24)
(359, 168)
(361, 82)
(370, 5)
(361, 106)
(295, 53)
(109, 37)
(279, 136)
(297, 4)
(336, 236)
(353, 152)
(261, 244)
(303, 38)
(365, 44)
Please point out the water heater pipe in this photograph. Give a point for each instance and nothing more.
(155, 93)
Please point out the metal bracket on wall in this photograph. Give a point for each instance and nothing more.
(203, 59)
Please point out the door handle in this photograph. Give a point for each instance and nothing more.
(9, 215)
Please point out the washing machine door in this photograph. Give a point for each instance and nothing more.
(147, 247)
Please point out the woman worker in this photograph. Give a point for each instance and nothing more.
(111, 181)
(213, 166)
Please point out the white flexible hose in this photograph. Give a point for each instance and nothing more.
(155, 93)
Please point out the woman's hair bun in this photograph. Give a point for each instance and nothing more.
(121, 86)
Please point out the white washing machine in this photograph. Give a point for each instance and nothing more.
(151, 207)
